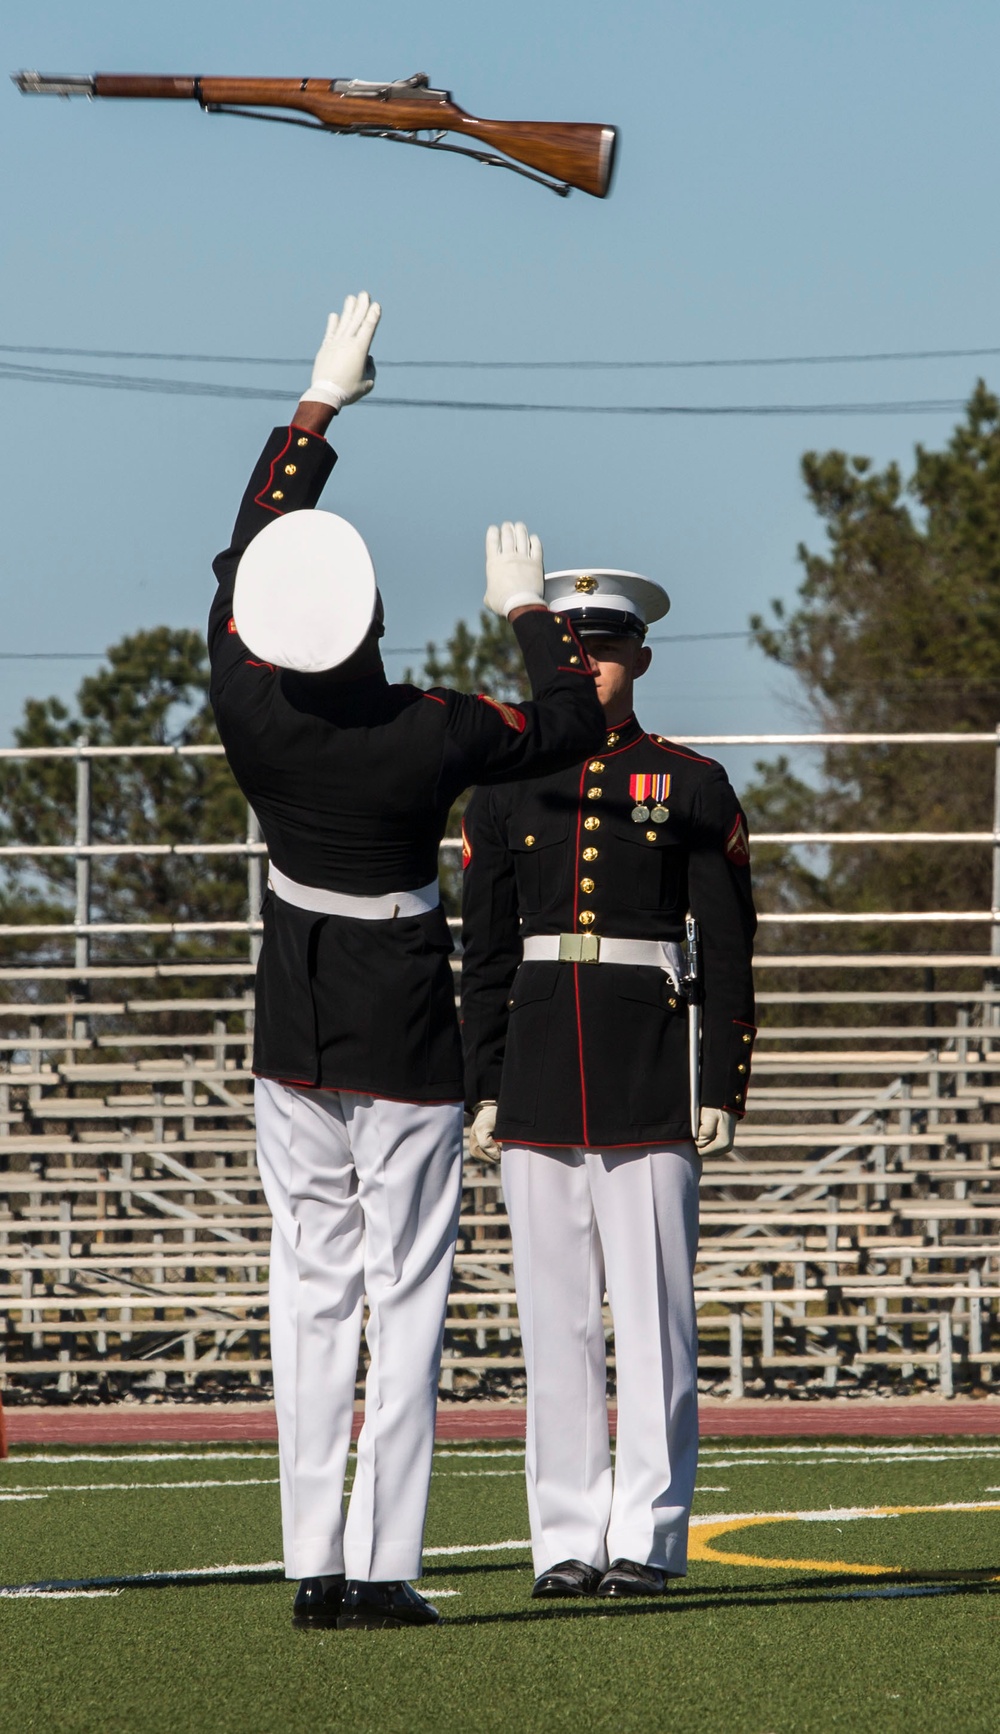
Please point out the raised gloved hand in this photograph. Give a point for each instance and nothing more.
(716, 1131)
(482, 1143)
(515, 569)
(343, 370)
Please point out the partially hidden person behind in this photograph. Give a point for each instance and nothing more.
(604, 1073)
(357, 1057)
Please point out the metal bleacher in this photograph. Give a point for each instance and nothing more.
(852, 1238)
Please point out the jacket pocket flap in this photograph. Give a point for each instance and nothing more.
(639, 981)
(533, 981)
(546, 833)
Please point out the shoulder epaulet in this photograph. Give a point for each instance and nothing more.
(666, 746)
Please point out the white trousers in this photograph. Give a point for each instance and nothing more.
(365, 1196)
(628, 1220)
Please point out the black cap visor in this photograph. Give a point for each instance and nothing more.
(606, 622)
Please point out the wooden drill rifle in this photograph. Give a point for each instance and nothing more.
(559, 154)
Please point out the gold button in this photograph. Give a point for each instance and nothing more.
(672, 1004)
(574, 659)
(741, 1068)
(558, 619)
(737, 1097)
(596, 765)
(529, 839)
(567, 638)
(650, 836)
(595, 793)
(586, 886)
(277, 495)
(748, 1038)
(590, 854)
(510, 1005)
(612, 739)
(303, 440)
(290, 469)
(587, 918)
(592, 824)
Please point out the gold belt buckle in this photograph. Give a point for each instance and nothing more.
(579, 948)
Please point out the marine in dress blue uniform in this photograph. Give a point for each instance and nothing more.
(356, 1046)
(576, 1025)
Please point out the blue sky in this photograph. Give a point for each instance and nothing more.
(793, 178)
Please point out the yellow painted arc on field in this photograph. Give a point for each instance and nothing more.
(704, 1533)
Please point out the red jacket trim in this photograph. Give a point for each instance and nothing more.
(259, 498)
(353, 1090)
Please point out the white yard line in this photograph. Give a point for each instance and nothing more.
(111, 1456)
(269, 1570)
(480, 1547)
(40, 1492)
(56, 1595)
(832, 1461)
(833, 1514)
(832, 1449)
(450, 1453)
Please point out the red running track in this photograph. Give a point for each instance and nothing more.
(184, 1423)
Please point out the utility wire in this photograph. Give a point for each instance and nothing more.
(587, 366)
(396, 650)
(199, 388)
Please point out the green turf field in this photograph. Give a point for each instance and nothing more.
(833, 1586)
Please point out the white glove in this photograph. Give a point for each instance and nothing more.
(481, 1140)
(515, 569)
(343, 370)
(716, 1131)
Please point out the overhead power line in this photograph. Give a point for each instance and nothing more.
(394, 650)
(583, 366)
(36, 375)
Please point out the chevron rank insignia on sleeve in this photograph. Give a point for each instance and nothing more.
(738, 843)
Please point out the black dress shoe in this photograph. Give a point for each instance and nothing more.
(375, 1605)
(625, 1578)
(315, 1606)
(571, 1578)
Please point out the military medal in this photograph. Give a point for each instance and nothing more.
(645, 787)
(639, 789)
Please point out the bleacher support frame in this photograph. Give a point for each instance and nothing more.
(852, 1237)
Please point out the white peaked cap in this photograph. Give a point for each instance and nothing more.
(305, 592)
(600, 588)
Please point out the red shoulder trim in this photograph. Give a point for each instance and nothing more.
(434, 699)
(666, 746)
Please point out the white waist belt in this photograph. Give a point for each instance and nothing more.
(385, 908)
(592, 948)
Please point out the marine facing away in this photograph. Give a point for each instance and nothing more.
(356, 1051)
(577, 1009)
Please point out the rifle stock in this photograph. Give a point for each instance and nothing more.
(573, 154)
